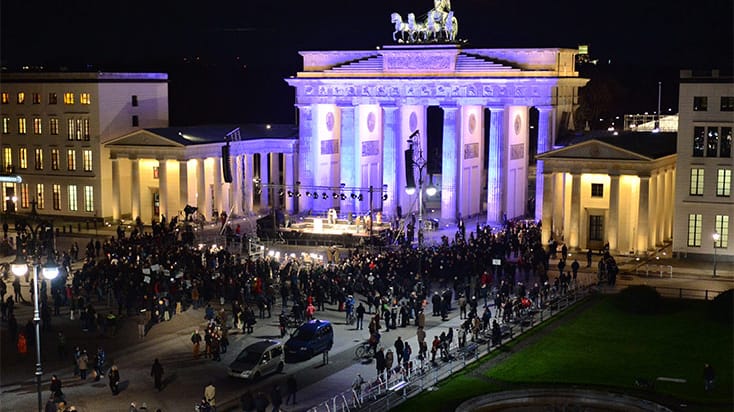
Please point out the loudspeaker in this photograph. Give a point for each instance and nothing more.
(409, 179)
(226, 167)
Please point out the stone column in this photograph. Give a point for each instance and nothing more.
(643, 218)
(183, 183)
(391, 160)
(218, 185)
(669, 199)
(660, 208)
(496, 165)
(115, 188)
(288, 175)
(544, 145)
(348, 159)
(236, 185)
(201, 192)
(652, 222)
(135, 188)
(247, 182)
(449, 165)
(306, 153)
(547, 216)
(613, 224)
(163, 189)
(264, 181)
(573, 240)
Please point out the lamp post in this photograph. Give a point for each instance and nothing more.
(419, 162)
(716, 237)
(50, 271)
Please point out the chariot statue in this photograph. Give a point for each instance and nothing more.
(439, 25)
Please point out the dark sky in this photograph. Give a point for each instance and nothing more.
(227, 59)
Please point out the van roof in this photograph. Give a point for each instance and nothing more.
(262, 345)
(315, 324)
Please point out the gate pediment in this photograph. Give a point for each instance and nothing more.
(591, 150)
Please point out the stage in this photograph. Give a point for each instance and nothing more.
(314, 231)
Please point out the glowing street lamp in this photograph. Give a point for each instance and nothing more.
(716, 237)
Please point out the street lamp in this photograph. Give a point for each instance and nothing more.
(716, 237)
(50, 271)
(414, 154)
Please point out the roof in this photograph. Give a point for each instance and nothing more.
(647, 144)
(194, 135)
(261, 346)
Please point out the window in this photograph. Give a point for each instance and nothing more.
(135, 101)
(72, 198)
(70, 125)
(721, 226)
(23, 157)
(36, 98)
(85, 98)
(87, 160)
(8, 159)
(54, 159)
(5, 97)
(6, 125)
(78, 129)
(136, 122)
(698, 141)
(700, 103)
(39, 158)
(85, 129)
(694, 230)
(40, 197)
(56, 196)
(597, 190)
(725, 142)
(68, 98)
(22, 125)
(596, 228)
(712, 142)
(37, 125)
(723, 182)
(53, 125)
(21, 97)
(88, 199)
(53, 98)
(696, 185)
(727, 103)
(155, 172)
(24, 196)
(71, 159)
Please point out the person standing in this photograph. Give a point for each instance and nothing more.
(83, 363)
(292, 387)
(399, 347)
(589, 253)
(99, 361)
(114, 376)
(380, 361)
(210, 395)
(196, 341)
(708, 377)
(141, 326)
(389, 358)
(156, 371)
(360, 315)
(276, 398)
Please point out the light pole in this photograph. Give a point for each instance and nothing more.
(716, 237)
(50, 271)
(415, 154)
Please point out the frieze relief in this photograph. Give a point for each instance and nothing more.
(370, 148)
(427, 89)
(427, 62)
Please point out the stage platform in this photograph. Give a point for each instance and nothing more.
(313, 231)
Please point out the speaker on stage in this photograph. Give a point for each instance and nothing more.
(226, 166)
(409, 178)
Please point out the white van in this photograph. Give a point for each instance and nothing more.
(258, 359)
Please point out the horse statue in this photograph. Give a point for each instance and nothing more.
(451, 27)
(433, 27)
(400, 27)
(415, 29)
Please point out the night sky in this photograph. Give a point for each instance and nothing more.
(227, 60)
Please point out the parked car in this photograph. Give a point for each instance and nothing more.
(311, 338)
(258, 359)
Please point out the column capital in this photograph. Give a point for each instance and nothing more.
(544, 108)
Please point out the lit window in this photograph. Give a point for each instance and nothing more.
(71, 159)
(85, 98)
(727, 103)
(712, 142)
(39, 158)
(700, 103)
(21, 97)
(88, 199)
(22, 126)
(53, 125)
(72, 198)
(5, 97)
(37, 125)
(78, 129)
(6, 125)
(597, 190)
(70, 125)
(23, 158)
(721, 225)
(699, 134)
(55, 159)
(56, 196)
(68, 98)
(694, 230)
(87, 160)
(8, 159)
(24, 196)
(85, 132)
(40, 197)
(696, 185)
(36, 98)
(155, 172)
(725, 142)
(723, 183)
(53, 98)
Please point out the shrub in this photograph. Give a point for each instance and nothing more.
(640, 299)
(722, 307)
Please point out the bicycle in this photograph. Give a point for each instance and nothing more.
(351, 319)
(364, 350)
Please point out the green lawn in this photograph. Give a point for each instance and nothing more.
(606, 347)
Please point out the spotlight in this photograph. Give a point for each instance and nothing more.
(343, 196)
(324, 196)
(308, 194)
(290, 193)
(335, 195)
(384, 197)
(315, 195)
(280, 193)
(298, 194)
(354, 196)
(360, 197)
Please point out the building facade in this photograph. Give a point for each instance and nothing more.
(704, 205)
(54, 126)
